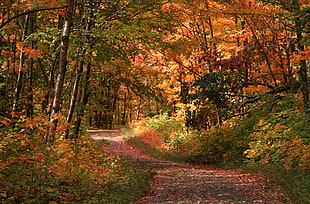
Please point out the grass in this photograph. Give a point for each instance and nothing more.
(157, 153)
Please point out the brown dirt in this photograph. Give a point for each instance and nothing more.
(187, 183)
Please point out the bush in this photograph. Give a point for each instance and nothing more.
(69, 171)
(210, 146)
(276, 132)
(165, 126)
(282, 138)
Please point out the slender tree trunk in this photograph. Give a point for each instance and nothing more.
(125, 108)
(303, 72)
(85, 97)
(50, 83)
(30, 106)
(50, 80)
(61, 72)
(20, 75)
(74, 94)
(79, 72)
(262, 50)
(138, 109)
(183, 99)
(303, 65)
(29, 111)
(288, 63)
(85, 92)
(113, 105)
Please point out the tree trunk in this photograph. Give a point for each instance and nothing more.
(77, 81)
(29, 109)
(20, 74)
(303, 65)
(74, 94)
(138, 109)
(85, 97)
(303, 73)
(50, 80)
(30, 106)
(61, 72)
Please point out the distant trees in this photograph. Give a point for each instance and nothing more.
(58, 58)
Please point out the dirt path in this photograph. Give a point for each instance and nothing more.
(186, 183)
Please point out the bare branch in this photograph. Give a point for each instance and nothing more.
(47, 9)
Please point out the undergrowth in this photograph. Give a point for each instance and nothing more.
(68, 171)
(152, 149)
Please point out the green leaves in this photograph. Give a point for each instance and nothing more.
(280, 135)
(213, 86)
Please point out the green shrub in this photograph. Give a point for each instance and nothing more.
(276, 132)
(165, 125)
(282, 138)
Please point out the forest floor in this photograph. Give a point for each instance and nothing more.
(187, 183)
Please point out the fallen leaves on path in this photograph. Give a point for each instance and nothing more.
(187, 183)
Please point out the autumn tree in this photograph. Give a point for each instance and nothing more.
(103, 36)
(295, 17)
(245, 40)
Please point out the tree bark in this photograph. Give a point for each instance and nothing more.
(85, 92)
(20, 74)
(30, 97)
(74, 94)
(303, 65)
(61, 72)
(303, 68)
(79, 72)
(85, 97)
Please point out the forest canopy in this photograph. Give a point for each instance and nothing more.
(231, 77)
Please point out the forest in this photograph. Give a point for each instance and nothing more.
(221, 81)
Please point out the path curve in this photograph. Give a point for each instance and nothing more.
(190, 184)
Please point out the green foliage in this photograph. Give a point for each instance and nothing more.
(211, 145)
(274, 131)
(282, 138)
(213, 87)
(152, 150)
(166, 126)
(274, 140)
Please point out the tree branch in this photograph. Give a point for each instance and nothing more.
(47, 9)
(255, 98)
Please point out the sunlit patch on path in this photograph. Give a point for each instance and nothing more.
(186, 183)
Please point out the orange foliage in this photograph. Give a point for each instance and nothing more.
(171, 8)
(148, 135)
(302, 55)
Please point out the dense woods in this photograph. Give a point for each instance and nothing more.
(221, 80)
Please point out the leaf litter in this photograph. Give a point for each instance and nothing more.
(188, 183)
